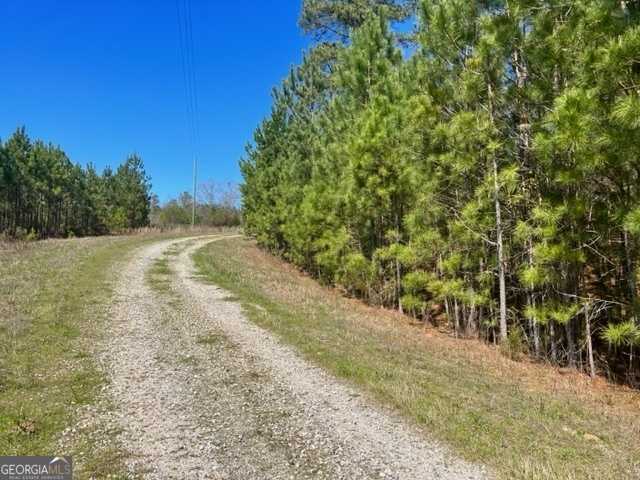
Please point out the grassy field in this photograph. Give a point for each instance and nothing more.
(525, 421)
(53, 298)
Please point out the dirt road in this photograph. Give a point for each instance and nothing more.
(200, 392)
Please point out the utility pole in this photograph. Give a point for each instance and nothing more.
(193, 211)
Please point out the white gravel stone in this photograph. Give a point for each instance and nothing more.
(206, 394)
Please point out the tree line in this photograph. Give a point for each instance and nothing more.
(217, 206)
(480, 169)
(44, 194)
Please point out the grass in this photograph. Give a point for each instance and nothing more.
(211, 339)
(53, 298)
(159, 275)
(524, 421)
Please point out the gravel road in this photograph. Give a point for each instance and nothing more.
(200, 392)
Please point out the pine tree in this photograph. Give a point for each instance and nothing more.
(487, 178)
(44, 194)
(336, 19)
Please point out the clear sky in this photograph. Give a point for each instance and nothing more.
(103, 78)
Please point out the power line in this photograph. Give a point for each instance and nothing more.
(185, 78)
(189, 77)
(194, 80)
(194, 85)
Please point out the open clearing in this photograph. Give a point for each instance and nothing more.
(125, 354)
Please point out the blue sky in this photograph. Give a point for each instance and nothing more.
(103, 79)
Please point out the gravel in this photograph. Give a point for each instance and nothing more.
(201, 392)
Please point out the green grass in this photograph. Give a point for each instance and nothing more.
(211, 339)
(159, 275)
(53, 296)
(517, 419)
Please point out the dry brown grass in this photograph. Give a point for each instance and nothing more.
(543, 377)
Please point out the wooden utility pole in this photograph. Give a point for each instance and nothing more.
(193, 202)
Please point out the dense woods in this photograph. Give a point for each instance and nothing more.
(43, 194)
(474, 164)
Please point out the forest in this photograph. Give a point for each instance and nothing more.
(474, 164)
(43, 194)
